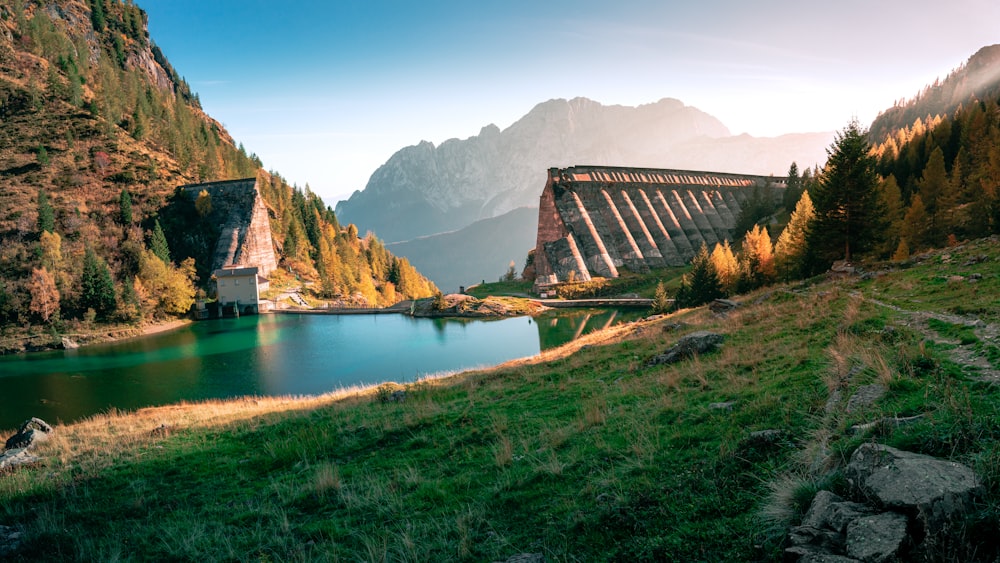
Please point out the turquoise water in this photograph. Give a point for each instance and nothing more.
(283, 354)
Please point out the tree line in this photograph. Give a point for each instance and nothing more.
(857, 208)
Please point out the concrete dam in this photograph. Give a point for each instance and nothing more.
(245, 236)
(595, 220)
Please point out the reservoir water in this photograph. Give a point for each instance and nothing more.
(284, 354)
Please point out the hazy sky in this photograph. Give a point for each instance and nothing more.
(324, 91)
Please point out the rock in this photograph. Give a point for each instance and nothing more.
(956, 279)
(826, 558)
(877, 538)
(843, 267)
(832, 512)
(865, 396)
(14, 457)
(68, 344)
(724, 406)
(699, 342)
(10, 540)
(722, 305)
(160, 431)
(939, 492)
(32, 430)
(524, 558)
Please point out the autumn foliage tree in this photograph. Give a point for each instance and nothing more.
(44, 294)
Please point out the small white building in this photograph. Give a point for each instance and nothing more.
(238, 289)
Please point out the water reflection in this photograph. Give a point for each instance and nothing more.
(269, 355)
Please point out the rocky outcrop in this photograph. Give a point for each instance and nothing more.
(700, 342)
(245, 236)
(906, 507)
(16, 449)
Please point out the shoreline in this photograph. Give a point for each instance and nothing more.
(157, 328)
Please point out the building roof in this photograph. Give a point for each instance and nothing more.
(235, 272)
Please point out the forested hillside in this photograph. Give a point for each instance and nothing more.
(97, 130)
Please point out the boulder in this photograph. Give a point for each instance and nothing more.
(939, 492)
(878, 538)
(699, 342)
(31, 431)
(13, 457)
(10, 540)
(722, 306)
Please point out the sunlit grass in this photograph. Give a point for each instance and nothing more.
(581, 453)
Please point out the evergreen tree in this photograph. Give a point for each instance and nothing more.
(848, 214)
(793, 189)
(701, 285)
(892, 202)
(46, 216)
(97, 289)
(125, 207)
(158, 243)
(933, 186)
(916, 229)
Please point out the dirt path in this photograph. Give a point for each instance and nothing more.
(966, 355)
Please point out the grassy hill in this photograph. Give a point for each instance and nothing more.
(585, 453)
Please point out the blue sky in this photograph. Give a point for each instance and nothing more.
(326, 91)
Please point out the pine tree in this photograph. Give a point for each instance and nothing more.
(793, 187)
(916, 225)
(97, 289)
(158, 243)
(46, 216)
(790, 250)
(892, 201)
(933, 186)
(848, 215)
(125, 207)
(701, 285)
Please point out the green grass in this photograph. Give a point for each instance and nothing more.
(583, 456)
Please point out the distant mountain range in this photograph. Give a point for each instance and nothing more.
(425, 190)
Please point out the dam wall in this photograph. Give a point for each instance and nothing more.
(594, 221)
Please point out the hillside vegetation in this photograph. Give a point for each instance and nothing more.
(97, 131)
(586, 453)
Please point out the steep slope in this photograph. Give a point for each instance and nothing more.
(978, 78)
(425, 189)
(97, 132)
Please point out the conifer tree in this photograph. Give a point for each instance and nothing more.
(158, 243)
(793, 187)
(726, 267)
(916, 225)
(892, 202)
(46, 216)
(756, 260)
(97, 289)
(848, 215)
(701, 285)
(790, 250)
(125, 207)
(933, 186)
